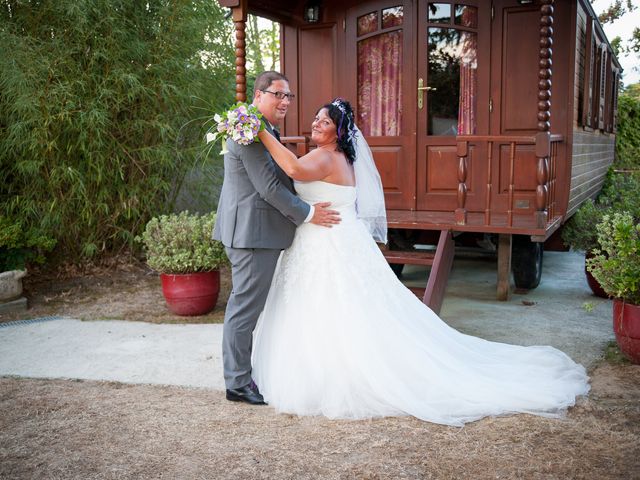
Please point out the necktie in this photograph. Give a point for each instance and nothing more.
(276, 133)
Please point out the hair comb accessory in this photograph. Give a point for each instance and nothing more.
(339, 103)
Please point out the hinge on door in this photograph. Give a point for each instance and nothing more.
(344, 25)
(492, 12)
(490, 105)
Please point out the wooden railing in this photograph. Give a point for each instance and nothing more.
(546, 151)
(300, 144)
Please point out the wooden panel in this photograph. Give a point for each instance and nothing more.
(524, 168)
(592, 154)
(442, 169)
(422, 220)
(316, 60)
(388, 163)
(520, 70)
(525, 181)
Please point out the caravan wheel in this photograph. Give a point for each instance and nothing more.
(526, 262)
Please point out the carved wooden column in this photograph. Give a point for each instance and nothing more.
(461, 211)
(239, 15)
(544, 114)
(241, 71)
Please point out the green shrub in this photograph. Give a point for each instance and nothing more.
(182, 243)
(580, 231)
(20, 245)
(616, 264)
(628, 133)
(620, 193)
(99, 101)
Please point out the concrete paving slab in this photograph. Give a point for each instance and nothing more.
(114, 350)
(190, 355)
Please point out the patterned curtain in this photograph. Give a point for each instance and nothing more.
(468, 84)
(380, 84)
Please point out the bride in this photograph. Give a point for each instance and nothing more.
(340, 336)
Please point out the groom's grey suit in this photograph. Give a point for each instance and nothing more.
(257, 216)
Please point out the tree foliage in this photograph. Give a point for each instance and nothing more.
(632, 91)
(99, 108)
(628, 133)
(616, 10)
(262, 48)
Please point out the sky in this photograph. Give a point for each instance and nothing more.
(623, 28)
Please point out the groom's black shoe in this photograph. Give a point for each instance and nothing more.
(249, 394)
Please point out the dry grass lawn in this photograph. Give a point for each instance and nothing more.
(92, 430)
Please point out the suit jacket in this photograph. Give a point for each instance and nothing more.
(258, 207)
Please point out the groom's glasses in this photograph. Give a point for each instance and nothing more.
(281, 95)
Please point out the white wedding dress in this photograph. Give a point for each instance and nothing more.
(340, 336)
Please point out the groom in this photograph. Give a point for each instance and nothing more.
(258, 213)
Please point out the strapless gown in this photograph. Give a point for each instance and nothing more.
(341, 336)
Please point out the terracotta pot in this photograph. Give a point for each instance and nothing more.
(191, 294)
(595, 287)
(626, 326)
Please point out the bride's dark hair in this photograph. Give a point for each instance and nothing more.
(341, 113)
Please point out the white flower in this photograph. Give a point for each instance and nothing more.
(210, 137)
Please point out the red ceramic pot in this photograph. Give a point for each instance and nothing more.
(626, 326)
(191, 294)
(594, 285)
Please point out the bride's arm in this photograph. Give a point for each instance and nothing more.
(315, 165)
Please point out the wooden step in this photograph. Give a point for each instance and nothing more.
(409, 257)
(440, 262)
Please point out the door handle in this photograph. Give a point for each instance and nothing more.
(421, 88)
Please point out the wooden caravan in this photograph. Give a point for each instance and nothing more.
(489, 117)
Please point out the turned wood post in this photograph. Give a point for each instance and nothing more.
(461, 211)
(239, 15)
(544, 113)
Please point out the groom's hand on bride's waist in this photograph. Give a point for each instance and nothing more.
(323, 216)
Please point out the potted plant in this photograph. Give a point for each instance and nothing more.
(180, 248)
(580, 234)
(616, 265)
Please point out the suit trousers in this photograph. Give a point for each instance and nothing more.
(251, 273)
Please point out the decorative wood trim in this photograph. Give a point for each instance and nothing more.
(602, 88)
(461, 211)
(614, 109)
(239, 15)
(544, 111)
(588, 74)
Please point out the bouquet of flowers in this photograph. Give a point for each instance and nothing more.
(241, 123)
